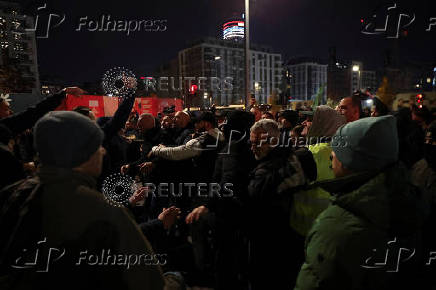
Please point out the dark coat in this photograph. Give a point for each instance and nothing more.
(274, 259)
(19, 122)
(75, 217)
(10, 167)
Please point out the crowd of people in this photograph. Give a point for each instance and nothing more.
(296, 199)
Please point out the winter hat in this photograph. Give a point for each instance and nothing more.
(367, 144)
(66, 139)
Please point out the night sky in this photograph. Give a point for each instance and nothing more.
(290, 27)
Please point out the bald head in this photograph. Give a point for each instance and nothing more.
(181, 119)
(350, 108)
(146, 122)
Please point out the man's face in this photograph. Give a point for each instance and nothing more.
(5, 109)
(285, 123)
(259, 144)
(166, 122)
(347, 109)
(307, 124)
(181, 120)
(337, 167)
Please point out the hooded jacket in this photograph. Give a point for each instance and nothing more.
(308, 204)
(368, 211)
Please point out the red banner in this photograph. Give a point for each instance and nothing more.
(106, 106)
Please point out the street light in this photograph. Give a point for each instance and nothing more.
(356, 68)
(247, 52)
(217, 57)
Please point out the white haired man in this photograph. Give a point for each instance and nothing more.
(277, 175)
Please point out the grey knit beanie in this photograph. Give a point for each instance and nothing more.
(66, 139)
(367, 144)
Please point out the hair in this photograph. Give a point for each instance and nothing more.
(148, 114)
(268, 126)
(269, 114)
(380, 107)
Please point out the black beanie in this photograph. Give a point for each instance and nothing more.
(66, 139)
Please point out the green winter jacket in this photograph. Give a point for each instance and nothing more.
(367, 211)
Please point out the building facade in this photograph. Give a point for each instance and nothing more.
(224, 60)
(18, 56)
(307, 78)
(369, 81)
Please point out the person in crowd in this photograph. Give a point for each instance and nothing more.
(277, 175)
(307, 117)
(75, 217)
(422, 116)
(374, 206)
(379, 108)
(196, 148)
(183, 127)
(11, 168)
(287, 120)
(113, 141)
(166, 123)
(351, 108)
(19, 122)
(296, 134)
(308, 204)
(256, 112)
(232, 166)
(202, 153)
(151, 133)
(267, 115)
